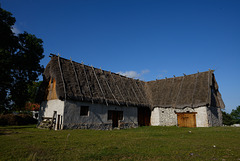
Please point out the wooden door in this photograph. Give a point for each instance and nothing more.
(116, 116)
(186, 119)
(144, 115)
(114, 119)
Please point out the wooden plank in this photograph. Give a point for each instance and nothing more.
(186, 119)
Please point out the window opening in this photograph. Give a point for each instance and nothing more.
(84, 110)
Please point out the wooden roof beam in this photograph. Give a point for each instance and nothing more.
(76, 76)
(99, 85)
(64, 87)
(110, 88)
(118, 88)
(85, 74)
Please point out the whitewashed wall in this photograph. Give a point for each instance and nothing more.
(163, 117)
(168, 117)
(48, 107)
(98, 114)
(201, 117)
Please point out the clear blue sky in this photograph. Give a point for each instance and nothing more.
(144, 38)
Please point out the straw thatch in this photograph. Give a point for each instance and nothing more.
(193, 90)
(81, 82)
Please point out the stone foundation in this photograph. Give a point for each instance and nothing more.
(123, 125)
(105, 126)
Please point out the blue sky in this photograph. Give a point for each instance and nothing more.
(148, 39)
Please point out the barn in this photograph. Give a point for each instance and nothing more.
(81, 96)
(187, 101)
(77, 96)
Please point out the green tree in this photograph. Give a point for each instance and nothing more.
(20, 57)
(33, 91)
(236, 115)
(227, 118)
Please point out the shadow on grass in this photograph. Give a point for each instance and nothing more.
(19, 127)
(7, 132)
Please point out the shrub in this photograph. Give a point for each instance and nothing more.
(20, 119)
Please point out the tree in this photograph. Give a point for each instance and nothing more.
(227, 118)
(236, 115)
(20, 57)
(33, 91)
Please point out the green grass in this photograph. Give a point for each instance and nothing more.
(144, 143)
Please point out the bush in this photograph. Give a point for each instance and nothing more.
(20, 119)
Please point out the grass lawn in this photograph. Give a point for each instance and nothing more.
(144, 143)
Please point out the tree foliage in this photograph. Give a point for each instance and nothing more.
(236, 115)
(227, 118)
(20, 57)
(232, 118)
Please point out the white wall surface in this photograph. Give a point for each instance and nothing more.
(48, 107)
(202, 117)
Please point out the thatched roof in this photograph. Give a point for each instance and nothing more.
(193, 90)
(81, 82)
(75, 81)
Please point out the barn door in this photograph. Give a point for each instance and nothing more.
(186, 119)
(115, 116)
(144, 115)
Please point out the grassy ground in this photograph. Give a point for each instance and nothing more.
(144, 143)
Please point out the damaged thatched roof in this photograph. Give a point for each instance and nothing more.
(81, 82)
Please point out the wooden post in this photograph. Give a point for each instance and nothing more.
(53, 118)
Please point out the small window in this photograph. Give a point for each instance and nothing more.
(84, 110)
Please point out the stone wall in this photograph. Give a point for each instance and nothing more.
(97, 117)
(163, 117)
(214, 116)
(168, 116)
(103, 126)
